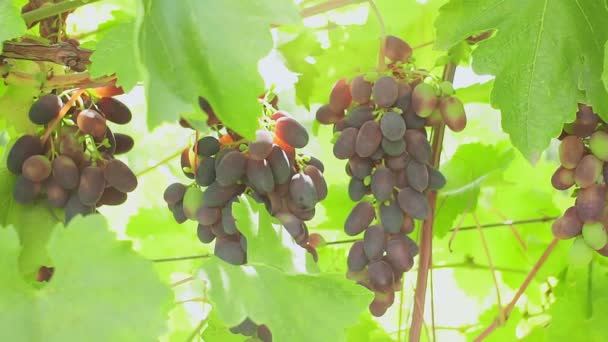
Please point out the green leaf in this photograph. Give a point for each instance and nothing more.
(268, 243)
(216, 330)
(211, 49)
(540, 69)
(14, 107)
(12, 24)
(116, 53)
(605, 73)
(288, 304)
(465, 172)
(478, 92)
(368, 330)
(94, 281)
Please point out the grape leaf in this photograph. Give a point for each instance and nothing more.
(14, 107)
(116, 53)
(538, 45)
(12, 24)
(605, 73)
(478, 92)
(368, 330)
(465, 172)
(288, 304)
(93, 282)
(217, 331)
(211, 49)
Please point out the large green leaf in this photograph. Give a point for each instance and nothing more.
(14, 107)
(605, 73)
(211, 49)
(543, 54)
(116, 53)
(12, 24)
(92, 290)
(296, 307)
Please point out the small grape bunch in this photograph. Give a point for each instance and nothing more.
(73, 163)
(269, 169)
(379, 122)
(583, 153)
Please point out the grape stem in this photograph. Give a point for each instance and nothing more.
(162, 162)
(61, 114)
(53, 9)
(327, 6)
(64, 53)
(426, 240)
(381, 64)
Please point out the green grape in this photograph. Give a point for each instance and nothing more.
(580, 254)
(193, 200)
(424, 100)
(452, 113)
(595, 235)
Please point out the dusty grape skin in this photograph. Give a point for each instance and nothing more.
(318, 180)
(392, 126)
(361, 90)
(327, 116)
(359, 218)
(279, 163)
(359, 115)
(357, 260)
(382, 301)
(112, 197)
(207, 146)
(400, 178)
(91, 186)
(374, 242)
(262, 146)
(417, 146)
(398, 162)
(417, 175)
(260, 177)
(75, 207)
(340, 97)
(424, 100)
(56, 195)
(590, 202)
(293, 225)
(385, 91)
(383, 182)
(230, 168)
(207, 216)
(25, 191)
(25, 147)
(344, 147)
(356, 189)
(204, 234)
(120, 176)
(397, 49)
(205, 174)
(571, 151)
(393, 148)
(291, 132)
(398, 255)
(174, 193)
(45, 109)
(230, 251)
(563, 178)
(217, 195)
(413, 203)
(436, 179)
(91, 122)
(178, 212)
(380, 275)
(36, 168)
(391, 217)
(588, 171)
(360, 167)
(368, 139)
(302, 191)
(316, 162)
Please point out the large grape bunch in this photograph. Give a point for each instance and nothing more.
(379, 123)
(72, 162)
(268, 169)
(583, 153)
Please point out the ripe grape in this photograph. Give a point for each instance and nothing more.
(393, 148)
(400, 178)
(590, 202)
(598, 144)
(595, 235)
(36, 168)
(293, 225)
(111, 141)
(91, 186)
(417, 175)
(45, 109)
(302, 191)
(398, 255)
(588, 171)
(207, 146)
(205, 174)
(417, 146)
(397, 162)
(262, 146)
(55, 194)
(408, 225)
(316, 162)
(392, 126)
(382, 301)
(436, 179)
(178, 212)
(383, 182)
(452, 113)
(193, 200)
(424, 99)
(357, 260)
(91, 122)
(378, 155)
(230, 168)
(412, 121)
(368, 139)
(75, 207)
(230, 251)
(396, 49)
(361, 90)
(120, 176)
(318, 180)
(413, 203)
(204, 234)
(279, 163)
(264, 333)
(563, 178)
(111, 196)
(374, 242)
(260, 177)
(25, 147)
(580, 253)
(326, 115)
(356, 189)
(385, 91)
(585, 123)
(207, 216)
(65, 172)
(174, 193)
(571, 151)
(360, 167)
(69, 146)
(391, 217)
(114, 110)
(291, 132)
(359, 115)
(344, 147)
(25, 191)
(568, 225)
(359, 218)
(380, 275)
(217, 195)
(340, 97)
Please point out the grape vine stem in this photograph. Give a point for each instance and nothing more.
(426, 240)
(381, 64)
(53, 9)
(507, 310)
(327, 6)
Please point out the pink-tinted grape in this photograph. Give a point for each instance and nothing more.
(25, 147)
(590, 202)
(291, 132)
(302, 191)
(563, 178)
(383, 182)
(344, 147)
(368, 139)
(55, 194)
(230, 168)
(261, 147)
(424, 99)
(36, 168)
(92, 185)
(340, 97)
(327, 116)
(588, 171)
(374, 242)
(260, 177)
(361, 90)
(452, 113)
(417, 146)
(398, 255)
(357, 260)
(396, 49)
(385, 91)
(571, 151)
(380, 275)
(91, 122)
(359, 115)
(417, 175)
(413, 203)
(398, 162)
(318, 180)
(360, 167)
(359, 218)
(279, 163)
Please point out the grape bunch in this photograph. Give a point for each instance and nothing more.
(268, 169)
(379, 122)
(72, 164)
(583, 155)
